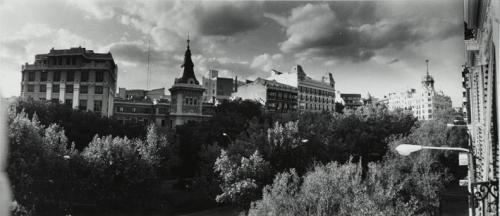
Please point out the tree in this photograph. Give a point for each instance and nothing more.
(240, 180)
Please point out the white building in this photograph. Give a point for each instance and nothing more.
(424, 103)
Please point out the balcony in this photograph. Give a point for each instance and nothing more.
(471, 45)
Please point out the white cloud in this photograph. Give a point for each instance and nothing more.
(267, 62)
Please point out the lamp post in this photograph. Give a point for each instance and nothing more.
(407, 149)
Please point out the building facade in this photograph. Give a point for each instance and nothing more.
(142, 111)
(480, 79)
(218, 88)
(274, 96)
(424, 103)
(186, 95)
(313, 95)
(351, 101)
(77, 77)
(142, 107)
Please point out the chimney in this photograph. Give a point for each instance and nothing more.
(236, 84)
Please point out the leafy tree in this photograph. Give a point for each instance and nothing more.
(332, 189)
(240, 180)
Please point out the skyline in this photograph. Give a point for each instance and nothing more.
(376, 47)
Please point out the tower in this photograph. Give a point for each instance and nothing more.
(428, 80)
(186, 94)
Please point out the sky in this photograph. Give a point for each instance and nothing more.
(372, 47)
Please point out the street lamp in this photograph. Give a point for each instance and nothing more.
(407, 149)
(229, 137)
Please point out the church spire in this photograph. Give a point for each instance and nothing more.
(188, 74)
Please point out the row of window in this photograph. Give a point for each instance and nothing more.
(82, 105)
(84, 89)
(190, 101)
(316, 99)
(70, 76)
(316, 91)
(141, 110)
(317, 107)
(281, 95)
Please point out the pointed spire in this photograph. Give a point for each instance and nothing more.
(188, 67)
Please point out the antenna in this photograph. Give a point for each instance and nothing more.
(149, 71)
(427, 62)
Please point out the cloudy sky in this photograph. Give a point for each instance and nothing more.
(369, 46)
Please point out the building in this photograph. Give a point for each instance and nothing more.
(142, 111)
(142, 107)
(480, 80)
(351, 101)
(313, 95)
(218, 88)
(154, 94)
(424, 103)
(186, 95)
(77, 77)
(275, 96)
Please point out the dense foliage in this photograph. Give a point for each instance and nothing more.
(80, 126)
(111, 173)
(342, 163)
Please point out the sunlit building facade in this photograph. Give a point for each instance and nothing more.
(77, 77)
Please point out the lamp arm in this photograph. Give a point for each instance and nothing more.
(447, 148)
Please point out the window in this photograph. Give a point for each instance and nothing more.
(43, 76)
(98, 90)
(163, 122)
(42, 99)
(43, 88)
(69, 88)
(56, 76)
(70, 76)
(97, 106)
(31, 88)
(82, 105)
(54, 100)
(84, 89)
(31, 76)
(99, 76)
(55, 88)
(68, 102)
(84, 76)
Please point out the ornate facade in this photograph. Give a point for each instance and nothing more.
(313, 95)
(480, 80)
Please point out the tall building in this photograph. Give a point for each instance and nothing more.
(218, 88)
(424, 103)
(275, 96)
(313, 95)
(77, 77)
(186, 95)
(480, 79)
